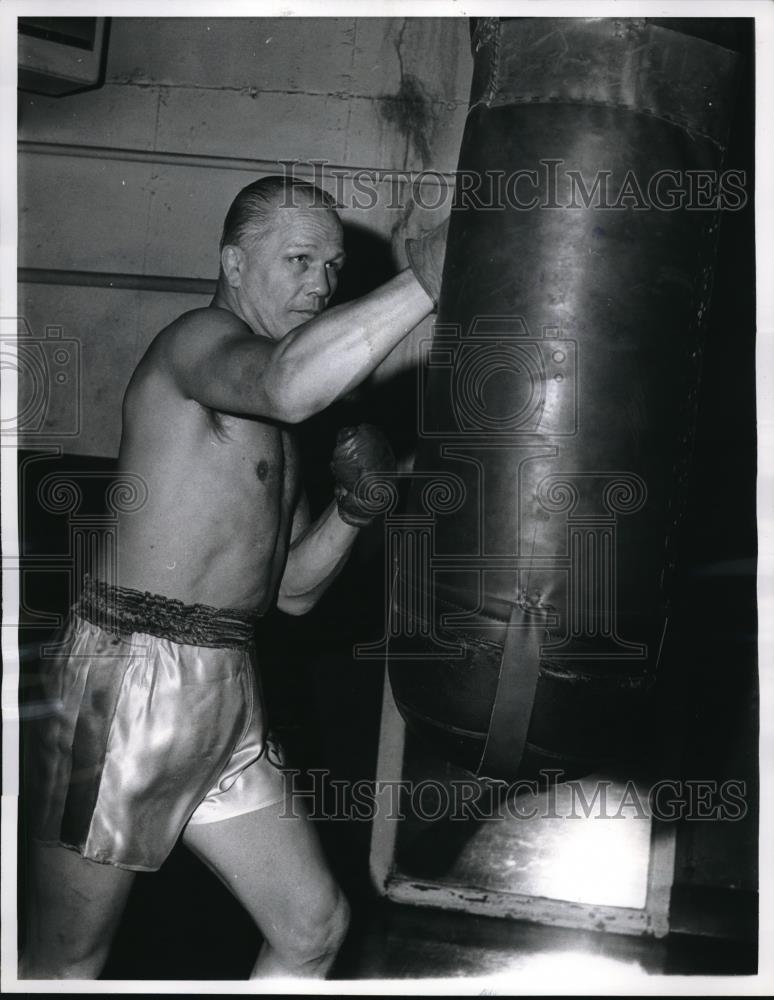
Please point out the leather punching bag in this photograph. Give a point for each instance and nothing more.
(560, 394)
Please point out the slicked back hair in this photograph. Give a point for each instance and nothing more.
(252, 211)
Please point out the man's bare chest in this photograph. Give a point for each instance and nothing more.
(255, 451)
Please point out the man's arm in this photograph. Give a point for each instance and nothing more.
(318, 551)
(217, 361)
(316, 556)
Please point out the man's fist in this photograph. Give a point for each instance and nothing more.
(358, 450)
(426, 255)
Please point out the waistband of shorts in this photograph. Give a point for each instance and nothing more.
(122, 610)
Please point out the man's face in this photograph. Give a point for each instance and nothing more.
(291, 271)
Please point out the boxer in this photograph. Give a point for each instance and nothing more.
(157, 728)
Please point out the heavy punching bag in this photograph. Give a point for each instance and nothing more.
(530, 596)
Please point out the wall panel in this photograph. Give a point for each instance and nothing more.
(193, 109)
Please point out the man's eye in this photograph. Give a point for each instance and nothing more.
(334, 265)
(299, 257)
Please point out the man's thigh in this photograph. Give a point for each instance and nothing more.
(271, 860)
(74, 908)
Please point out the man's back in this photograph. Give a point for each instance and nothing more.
(220, 488)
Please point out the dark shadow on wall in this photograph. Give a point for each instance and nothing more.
(369, 263)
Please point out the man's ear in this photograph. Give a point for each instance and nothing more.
(231, 259)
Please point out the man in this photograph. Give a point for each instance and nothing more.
(158, 727)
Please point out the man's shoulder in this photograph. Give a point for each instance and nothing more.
(185, 341)
(211, 321)
(192, 337)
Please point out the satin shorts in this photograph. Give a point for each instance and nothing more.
(141, 736)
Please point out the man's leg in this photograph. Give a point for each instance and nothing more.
(276, 869)
(74, 909)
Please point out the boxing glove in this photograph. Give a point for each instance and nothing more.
(359, 450)
(425, 255)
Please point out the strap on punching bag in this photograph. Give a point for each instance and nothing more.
(515, 696)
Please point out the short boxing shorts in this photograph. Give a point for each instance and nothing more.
(151, 718)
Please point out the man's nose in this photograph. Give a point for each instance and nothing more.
(320, 282)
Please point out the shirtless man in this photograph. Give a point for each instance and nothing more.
(157, 728)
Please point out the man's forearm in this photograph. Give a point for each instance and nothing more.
(325, 358)
(315, 559)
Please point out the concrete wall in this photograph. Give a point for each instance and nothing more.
(135, 178)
